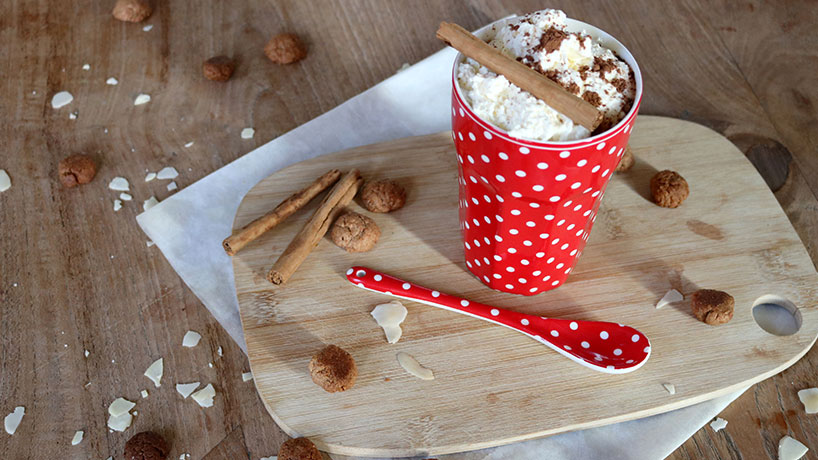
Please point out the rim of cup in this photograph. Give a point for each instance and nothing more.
(573, 25)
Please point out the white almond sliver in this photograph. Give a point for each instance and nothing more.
(148, 27)
(248, 133)
(61, 99)
(5, 180)
(120, 406)
(718, 424)
(191, 339)
(671, 388)
(189, 144)
(389, 316)
(151, 176)
(790, 449)
(119, 184)
(117, 205)
(809, 398)
(144, 393)
(672, 296)
(86, 67)
(185, 389)
(125, 197)
(142, 98)
(172, 186)
(246, 376)
(220, 352)
(12, 421)
(168, 172)
(204, 397)
(120, 423)
(77, 438)
(274, 457)
(412, 366)
(112, 81)
(155, 372)
(149, 203)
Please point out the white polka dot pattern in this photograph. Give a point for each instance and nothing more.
(598, 345)
(513, 191)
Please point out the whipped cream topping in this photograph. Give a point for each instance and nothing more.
(574, 60)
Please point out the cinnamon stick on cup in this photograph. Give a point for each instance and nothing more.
(315, 228)
(573, 107)
(286, 208)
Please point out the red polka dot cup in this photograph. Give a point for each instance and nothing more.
(527, 207)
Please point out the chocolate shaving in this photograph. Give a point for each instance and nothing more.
(620, 84)
(592, 98)
(551, 40)
(603, 66)
(573, 87)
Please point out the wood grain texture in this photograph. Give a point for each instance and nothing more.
(637, 252)
(744, 72)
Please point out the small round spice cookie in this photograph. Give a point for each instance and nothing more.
(299, 449)
(333, 369)
(668, 189)
(77, 170)
(712, 307)
(355, 232)
(383, 196)
(218, 68)
(285, 49)
(146, 445)
(132, 10)
(626, 162)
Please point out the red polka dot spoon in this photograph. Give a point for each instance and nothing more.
(606, 347)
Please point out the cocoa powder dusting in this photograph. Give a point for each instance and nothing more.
(592, 98)
(603, 66)
(551, 40)
(620, 84)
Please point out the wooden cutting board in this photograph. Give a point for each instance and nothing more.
(494, 386)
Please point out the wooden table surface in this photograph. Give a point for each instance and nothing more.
(75, 275)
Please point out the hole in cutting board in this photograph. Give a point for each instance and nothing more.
(776, 315)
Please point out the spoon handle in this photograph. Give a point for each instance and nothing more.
(373, 280)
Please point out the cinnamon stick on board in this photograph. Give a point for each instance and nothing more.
(315, 228)
(573, 107)
(285, 209)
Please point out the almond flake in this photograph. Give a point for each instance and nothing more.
(149, 203)
(672, 296)
(718, 424)
(191, 339)
(204, 397)
(248, 133)
(61, 99)
(168, 172)
(412, 366)
(5, 180)
(155, 371)
(77, 438)
(12, 421)
(790, 449)
(119, 184)
(185, 389)
(112, 81)
(142, 98)
(809, 398)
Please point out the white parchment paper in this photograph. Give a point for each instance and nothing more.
(189, 227)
